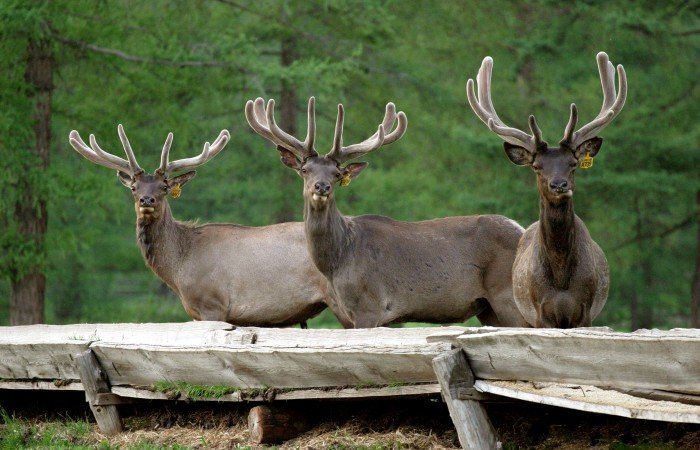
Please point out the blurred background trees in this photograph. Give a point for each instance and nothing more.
(190, 65)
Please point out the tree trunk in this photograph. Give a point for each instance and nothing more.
(288, 100)
(28, 285)
(695, 290)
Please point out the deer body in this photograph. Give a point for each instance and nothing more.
(231, 273)
(560, 275)
(381, 270)
(442, 270)
(222, 272)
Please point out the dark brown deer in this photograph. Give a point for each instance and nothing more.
(382, 270)
(256, 276)
(560, 275)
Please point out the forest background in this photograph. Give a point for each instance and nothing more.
(188, 66)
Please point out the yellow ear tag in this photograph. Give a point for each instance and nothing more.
(176, 191)
(345, 180)
(586, 162)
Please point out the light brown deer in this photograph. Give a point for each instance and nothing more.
(253, 276)
(560, 275)
(384, 271)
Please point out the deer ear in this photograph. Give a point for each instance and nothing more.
(181, 180)
(125, 178)
(590, 147)
(288, 158)
(352, 170)
(518, 155)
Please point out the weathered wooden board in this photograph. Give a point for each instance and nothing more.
(474, 428)
(450, 334)
(592, 399)
(41, 385)
(297, 394)
(651, 359)
(46, 352)
(255, 366)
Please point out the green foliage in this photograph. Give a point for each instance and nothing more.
(190, 67)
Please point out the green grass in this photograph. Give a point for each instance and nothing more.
(194, 391)
(70, 433)
(200, 391)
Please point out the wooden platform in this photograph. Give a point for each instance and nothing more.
(581, 369)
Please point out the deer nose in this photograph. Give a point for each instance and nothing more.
(146, 201)
(559, 185)
(322, 187)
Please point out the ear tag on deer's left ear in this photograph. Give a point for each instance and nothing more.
(345, 180)
(586, 162)
(176, 191)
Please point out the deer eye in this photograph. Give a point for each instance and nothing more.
(303, 170)
(133, 188)
(536, 167)
(338, 175)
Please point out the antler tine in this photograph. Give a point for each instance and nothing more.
(568, 131)
(208, 153)
(310, 124)
(79, 145)
(390, 117)
(127, 149)
(290, 142)
(483, 108)
(612, 104)
(262, 121)
(165, 153)
(342, 153)
(335, 152)
(255, 115)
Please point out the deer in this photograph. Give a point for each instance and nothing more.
(560, 274)
(248, 276)
(383, 271)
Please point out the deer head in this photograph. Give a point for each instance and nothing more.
(321, 173)
(149, 190)
(554, 166)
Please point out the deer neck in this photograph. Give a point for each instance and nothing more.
(160, 243)
(557, 238)
(327, 235)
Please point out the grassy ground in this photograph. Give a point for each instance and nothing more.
(63, 421)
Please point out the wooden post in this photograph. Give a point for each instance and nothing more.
(95, 382)
(473, 426)
(269, 425)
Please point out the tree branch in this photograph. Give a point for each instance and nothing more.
(139, 59)
(660, 234)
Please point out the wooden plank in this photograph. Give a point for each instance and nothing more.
(282, 358)
(58, 385)
(418, 390)
(112, 332)
(450, 334)
(592, 399)
(469, 417)
(648, 360)
(94, 382)
(45, 352)
(663, 395)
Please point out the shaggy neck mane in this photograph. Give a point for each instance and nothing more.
(557, 238)
(161, 242)
(327, 235)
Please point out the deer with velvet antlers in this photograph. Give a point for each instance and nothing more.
(560, 275)
(381, 270)
(256, 276)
